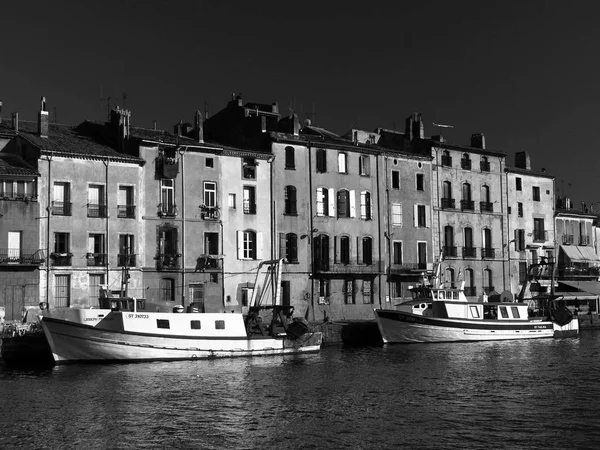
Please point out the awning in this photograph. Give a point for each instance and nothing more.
(578, 253)
(592, 287)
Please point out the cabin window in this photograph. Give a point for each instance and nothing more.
(455, 295)
(474, 312)
(442, 295)
(195, 324)
(515, 312)
(162, 323)
(219, 324)
(503, 312)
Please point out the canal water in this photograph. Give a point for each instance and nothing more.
(542, 394)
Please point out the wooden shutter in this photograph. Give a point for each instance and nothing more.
(352, 203)
(240, 245)
(331, 202)
(259, 245)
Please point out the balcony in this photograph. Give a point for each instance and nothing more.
(167, 210)
(488, 253)
(96, 259)
(167, 261)
(249, 207)
(450, 251)
(126, 260)
(447, 161)
(540, 235)
(568, 239)
(574, 272)
(208, 262)
(399, 269)
(584, 240)
(61, 208)
(209, 212)
(61, 259)
(96, 210)
(488, 289)
(467, 205)
(448, 203)
(470, 291)
(484, 166)
(486, 207)
(465, 164)
(126, 211)
(469, 252)
(353, 268)
(17, 196)
(24, 257)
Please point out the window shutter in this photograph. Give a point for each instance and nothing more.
(259, 245)
(240, 245)
(352, 203)
(427, 217)
(331, 202)
(363, 205)
(336, 257)
(282, 246)
(359, 253)
(370, 206)
(320, 201)
(416, 215)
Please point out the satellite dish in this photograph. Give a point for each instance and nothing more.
(506, 297)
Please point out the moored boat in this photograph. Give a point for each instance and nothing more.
(126, 333)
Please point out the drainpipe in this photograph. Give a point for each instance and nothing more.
(272, 207)
(182, 151)
(49, 211)
(380, 269)
(389, 229)
(222, 266)
(502, 230)
(311, 228)
(107, 247)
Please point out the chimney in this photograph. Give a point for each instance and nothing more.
(522, 160)
(263, 124)
(119, 120)
(154, 125)
(199, 127)
(438, 138)
(15, 121)
(478, 141)
(275, 107)
(0, 111)
(408, 130)
(296, 124)
(414, 127)
(43, 119)
(177, 128)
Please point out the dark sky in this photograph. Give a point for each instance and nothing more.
(526, 74)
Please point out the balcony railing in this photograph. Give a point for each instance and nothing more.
(568, 239)
(540, 235)
(448, 203)
(486, 206)
(396, 269)
(469, 252)
(167, 210)
(446, 161)
(168, 261)
(17, 256)
(488, 253)
(61, 259)
(467, 205)
(19, 196)
(465, 164)
(126, 211)
(209, 212)
(484, 166)
(249, 207)
(208, 262)
(96, 259)
(584, 240)
(574, 271)
(488, 289)
(450, 251)
(470, 291)
(96, 210)
(126, 260)
(61, 208)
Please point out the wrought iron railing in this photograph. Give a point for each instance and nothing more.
(126, 260)
(96, 259)
(450, 251)
(489, 253)
(448, 203)
(168, 260)
(486, 206)
(61, 208)
(469, 252)
(96, 210)
(126, 211)
(21, 256)
(467, 205)
(61, 259)
(446, 160)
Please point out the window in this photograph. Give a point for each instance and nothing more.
(520, 240)
(345, 250)
(126, 256)
(466, 203)
(446, 158)
(487, 250)
(450, 277)
(95, 281)
(163, 323)
(195, 325)
(367, 251)
(364, 165)
(211, 243)
(397, 252)
(421, 217)
(449, 248)
(96, 255)
(321, 161)
(349, 292)
(96, 206)
(62, 291)
(219, 324)
(249, 168)
(420, 182)
(210, 194)
(125, 207)
(209, 162)
(62, 255)
(168, 256)
(465, 161)
(488, 282)
(366, 207)
(395, 179)
(321, 244)
(468, 249)
(167, 197)
(518, 184)
(248, 245)
(484, 164)
(290, 250)
(397, 214)
(61, 205)
(167, 289)
(447, 200)
(290, 201)
(231, 201)
(367, 289)
(539, 233)
(249, 200)
(422, 255)
(342, 162)
(470, 289)
(536, 193)
(519, 209)
(345, 203)
(324, 206)
(290, 158)
(515, 312)
(486, 205)
(324, 290)
(247, 295)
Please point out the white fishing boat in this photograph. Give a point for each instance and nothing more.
(445, 315)
(125, 332)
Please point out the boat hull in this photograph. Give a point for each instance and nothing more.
(71, 342)
(402, 327)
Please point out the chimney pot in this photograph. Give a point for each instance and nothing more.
(522, 160)
(478, 141)
(199, 127)
(0, 111)
(43, 119)
(15, 121)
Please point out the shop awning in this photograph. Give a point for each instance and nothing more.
(592, 287)
(578, 253)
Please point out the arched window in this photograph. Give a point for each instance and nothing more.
(485, 164)
(291, 248)
(345, 250)
(470, 289)
(466, 203)
(446, 158)
(468, 249)
(488, 281)
(449, 248)
(488, 250)
(290, 201)
(450, 281)
(465, 161)
(486, 201)
(367, 250)
(342, 162)
(290, 158)
(447, 200)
